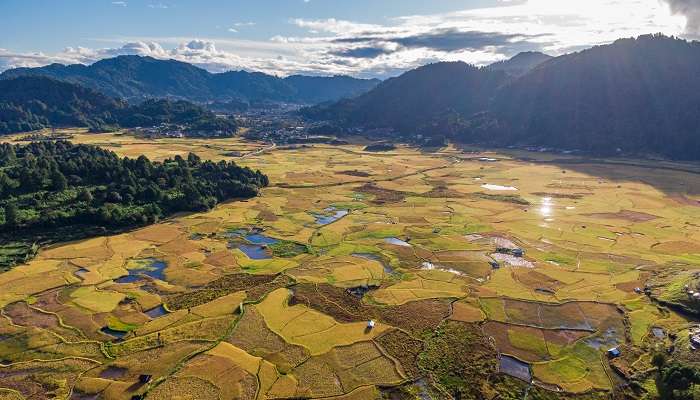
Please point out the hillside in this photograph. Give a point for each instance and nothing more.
(32, 103)
(521, 63)
(136, 78)
(634, 96)
(416, 99)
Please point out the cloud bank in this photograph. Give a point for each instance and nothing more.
(691, 10)
(335, 46)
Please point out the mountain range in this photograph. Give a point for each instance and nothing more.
(633, 96)
(136, 78)
(30, 103)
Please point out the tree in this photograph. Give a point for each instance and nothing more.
(11, 215)
(85, 196)
(58, 181)
(676, 381)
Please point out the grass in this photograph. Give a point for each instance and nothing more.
(314, 346)
(287, 249)
(118, 325)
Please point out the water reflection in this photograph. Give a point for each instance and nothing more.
(546, 207)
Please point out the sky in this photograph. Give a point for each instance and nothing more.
(363, 38)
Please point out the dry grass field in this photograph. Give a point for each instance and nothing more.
(383, 236)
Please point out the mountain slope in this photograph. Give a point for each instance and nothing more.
(418, 98)
(135, 78)
(521, 63)
(30, 103)
(637, 95)
(35, 102)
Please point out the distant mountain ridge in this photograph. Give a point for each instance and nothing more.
(521, 63)
(136, 78)
(633, 96)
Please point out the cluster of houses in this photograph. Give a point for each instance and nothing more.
(161, 131)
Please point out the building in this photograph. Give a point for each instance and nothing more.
(614, 352)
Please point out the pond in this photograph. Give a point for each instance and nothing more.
(254, 252)
(156, 312)
(113, 372)
(149, 267)
(331, 214)
(397, 242)
(607, 340)
(81, 273)
(515, 368)
(115, 334)
(252, 243)
(369, 256)
(499, 187)
(260, 239)
(360, 291)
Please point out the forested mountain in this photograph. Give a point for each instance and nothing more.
(636, 95)
(521, 63)
(31, 103)
(417, 99)
(136, 78)
(58, 184)
(639, 96)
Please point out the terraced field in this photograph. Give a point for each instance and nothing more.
(270, 298)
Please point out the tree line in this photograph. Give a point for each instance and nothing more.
(56, 184)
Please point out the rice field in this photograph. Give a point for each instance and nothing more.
(543, 260)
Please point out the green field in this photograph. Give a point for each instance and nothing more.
(256, 293)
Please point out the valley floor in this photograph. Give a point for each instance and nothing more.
(249, 300)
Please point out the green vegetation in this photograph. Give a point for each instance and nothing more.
(675, 381)
(563, 103)
(53, 185)
(458, 357)
(16, 253)
(287, 249)
(508, 198)
(34, 103)
(136, 78)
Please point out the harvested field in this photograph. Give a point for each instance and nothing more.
(413, 234)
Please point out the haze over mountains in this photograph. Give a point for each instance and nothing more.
(634, 96)
(136, 78)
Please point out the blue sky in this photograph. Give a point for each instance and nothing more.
(355, 37)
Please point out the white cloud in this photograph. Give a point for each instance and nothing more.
(242, 24)
(336, 46)
(119, 3)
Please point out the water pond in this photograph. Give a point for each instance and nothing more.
(115, 334)
(515, 368)
(156, 312)
(149, 267)
(397, 242)
(330, 215)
